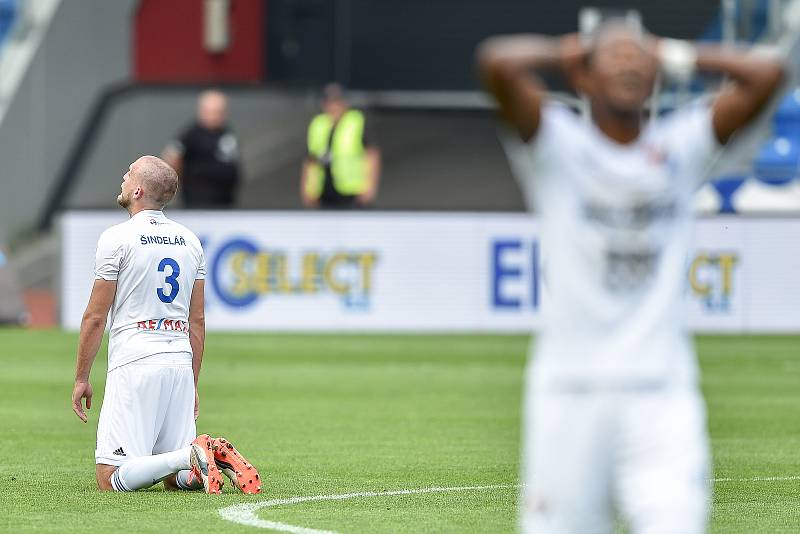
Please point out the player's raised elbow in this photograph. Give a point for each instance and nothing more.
(773, 76)
(767, 71)
(484, 55)
(492, 65)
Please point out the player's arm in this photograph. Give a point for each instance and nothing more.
(93, 325)
(305, 172)
(373, 157)
(754, 79)
(507, 65)
(197, 334)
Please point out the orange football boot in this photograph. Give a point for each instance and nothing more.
(192, 479)
(203, 465)
(241, 472)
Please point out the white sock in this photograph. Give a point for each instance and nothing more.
(182, 481)
(144, 471)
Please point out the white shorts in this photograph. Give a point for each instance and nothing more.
(590, 455)
(148, 409)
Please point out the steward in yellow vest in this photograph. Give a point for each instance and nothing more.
(340, 171)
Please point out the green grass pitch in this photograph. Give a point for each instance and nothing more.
(340, 414)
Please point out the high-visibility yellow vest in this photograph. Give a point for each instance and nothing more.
(348, 164)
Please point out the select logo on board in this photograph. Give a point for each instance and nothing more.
(243, 272)
(712, 279)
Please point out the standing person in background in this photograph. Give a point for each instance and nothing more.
(342, 167)
(206, 156)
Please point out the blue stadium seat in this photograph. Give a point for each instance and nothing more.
(777, 161)
(726, 187)
(787, 116)
(757, 23)
(8, 12)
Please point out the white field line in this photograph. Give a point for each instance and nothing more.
(245, 513)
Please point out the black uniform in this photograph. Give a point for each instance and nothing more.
(210, 173)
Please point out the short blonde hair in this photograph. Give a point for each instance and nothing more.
(157, 178)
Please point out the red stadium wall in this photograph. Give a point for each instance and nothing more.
(168, 43)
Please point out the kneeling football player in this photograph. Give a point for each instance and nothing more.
(149, 272)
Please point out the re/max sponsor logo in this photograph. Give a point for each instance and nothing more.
(174, 325)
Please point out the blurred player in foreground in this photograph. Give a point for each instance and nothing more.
(152, 271)
(614, 419)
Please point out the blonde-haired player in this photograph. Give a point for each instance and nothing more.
(149, 272)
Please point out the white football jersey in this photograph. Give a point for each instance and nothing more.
(615, 230)
(155, 262)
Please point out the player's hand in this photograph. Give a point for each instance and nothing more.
(571, 47)
(365, 199)
(196, 405)
(572, 55)
(82, 390)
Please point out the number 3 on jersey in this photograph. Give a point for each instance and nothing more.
(171, 279)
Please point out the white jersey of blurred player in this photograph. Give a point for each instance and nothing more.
(616, 229)
(614, 420)
(155, 262)
(612, 390)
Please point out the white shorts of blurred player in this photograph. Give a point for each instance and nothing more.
(148, 409)
(590, 456)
